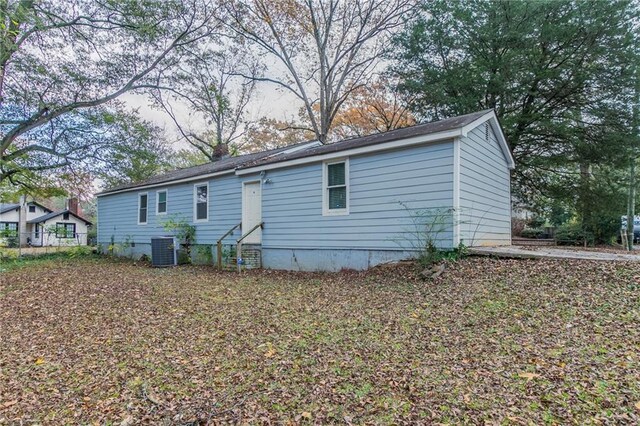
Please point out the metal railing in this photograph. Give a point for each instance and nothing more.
(239, 244)
(219, 245)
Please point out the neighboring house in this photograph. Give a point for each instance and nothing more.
(349, 204)
(44, 226)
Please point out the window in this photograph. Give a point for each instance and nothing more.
(32, 209)
(335, 198)
(161, 202)
(65, 230)
(36, 234)
(201, 202)
(8, 229)
(65, 216)
(143, 201)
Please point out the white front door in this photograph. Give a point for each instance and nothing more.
(251, 211)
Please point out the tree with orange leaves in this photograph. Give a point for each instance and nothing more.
(372, 109)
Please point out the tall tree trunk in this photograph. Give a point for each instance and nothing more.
(584, 201)
(631, 201)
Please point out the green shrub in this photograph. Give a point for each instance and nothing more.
(202, 254)
(532, 232)
(434, 255)
(536, 222)
(80, 251)
(572, 234)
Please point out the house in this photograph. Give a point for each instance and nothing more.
(43, 226)
(350, 204)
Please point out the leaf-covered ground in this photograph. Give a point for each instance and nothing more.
(490, 341)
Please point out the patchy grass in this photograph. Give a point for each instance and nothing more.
(495, 341)
(10, 259)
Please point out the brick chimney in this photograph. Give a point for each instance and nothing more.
(72, 205)
(220, 151)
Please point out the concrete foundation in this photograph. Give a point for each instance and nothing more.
(329, 260)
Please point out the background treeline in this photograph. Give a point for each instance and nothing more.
(562, 76)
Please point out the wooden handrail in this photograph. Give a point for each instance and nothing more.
(239, 245)
(219, 244)
(250, 231)
(229, 232)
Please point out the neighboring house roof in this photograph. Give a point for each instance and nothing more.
(13, 206)
(438, 130)
(8, 207)
(56, 214)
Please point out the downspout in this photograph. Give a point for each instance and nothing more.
(456, 193)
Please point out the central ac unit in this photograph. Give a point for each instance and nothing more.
(164, 251)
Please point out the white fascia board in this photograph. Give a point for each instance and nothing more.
(416, 140)
(169, 182)
(497, 130)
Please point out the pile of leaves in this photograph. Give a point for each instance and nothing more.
(497, 341)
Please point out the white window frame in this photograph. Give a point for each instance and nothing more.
(140, 194)
(326, 211)
(166, 201)
(195, 202)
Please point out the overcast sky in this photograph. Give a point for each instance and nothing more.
(268, 101)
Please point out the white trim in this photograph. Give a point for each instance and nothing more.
(166, 201)
(168, 182)
(456, 192)
(140, 194)
(497, 130)
(416, 140)
(195, 202)
(325, 190)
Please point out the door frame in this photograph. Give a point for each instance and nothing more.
(244, 183)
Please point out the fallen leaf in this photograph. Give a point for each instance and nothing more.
(528, 376)
(127, 421)
(39, 361)
(9, 403)
(638, 405)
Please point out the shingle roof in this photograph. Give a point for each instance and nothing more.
(229, 163)
(51, 215)
(269, 157)
(8, 207)
(358, 142)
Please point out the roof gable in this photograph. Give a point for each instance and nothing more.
(492, 118)
(53, 215)
(8, 207)
(12, 206)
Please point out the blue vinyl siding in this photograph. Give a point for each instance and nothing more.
(117, 214)
(421, 177)
(485, 203)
